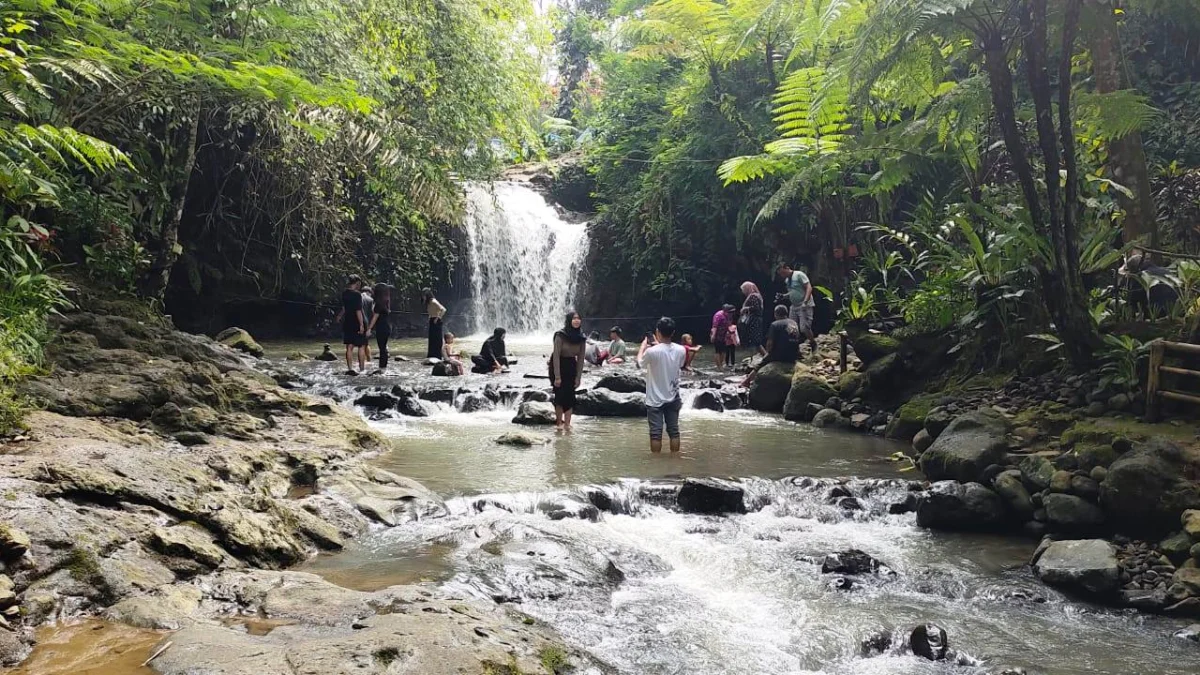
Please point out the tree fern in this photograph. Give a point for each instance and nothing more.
(1113, 115)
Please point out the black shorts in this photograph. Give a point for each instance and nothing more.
(351, 336)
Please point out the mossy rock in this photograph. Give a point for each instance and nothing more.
(770, 389)
(883, 377)
(1092, 455)
(806, 388)
(1048, 417)
(851, 384)
(910, 418)
(870, 347)
(240, 340)
(1104, 431)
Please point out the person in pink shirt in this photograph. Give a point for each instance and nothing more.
(723, 342)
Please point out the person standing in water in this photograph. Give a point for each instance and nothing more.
(724, 344)
(436, 312)
(663, 363)
(381, 308)
(368, 315)
(566, 368)
(354, 325)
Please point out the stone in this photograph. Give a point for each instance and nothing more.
(8, 597)
(539, 395)
(1012, 490)
(1118, 402)
(922, 441)
(1068, 513)
(853, 562)
(381, 495)
(929, 641)
(1037, 472)
(1095, 409)
(871, 347)
(623, 383)
(850, 384)
(240, 340)
(859, 420)
(1098, 474)
(828, 417)
(1176, 546)
(1026, 435)
(1190, 519)
(442, 368)
(377, 400)
(732, 398)
(170, 608)
(1144, 600)
(605, 403)
(13, 543)
(534, 413)
(954, 506)
(189, 541)
(770, 388)
(971, 443)
(1085, 487)
(709, 400)
(1191, 632)
(470, 402)
(1189, 579)
(710, 496)
(1087, 566)
(521, 439)
(937, 420)
(443, 395)
(806, 388)
(812, 410)
(1194, 552)
(326, 355)
(1060, 481)
(1147, 488)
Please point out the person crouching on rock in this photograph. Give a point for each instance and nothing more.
(692, 350)
(663, 363)
(354, 324)
(380, 309)
(493, 356)
(783, 343)
(451, 356)
(566, 368)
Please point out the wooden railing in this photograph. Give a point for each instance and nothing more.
(1154, 390)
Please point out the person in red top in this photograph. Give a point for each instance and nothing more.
(691, 351)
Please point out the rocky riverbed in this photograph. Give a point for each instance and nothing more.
(166, 478)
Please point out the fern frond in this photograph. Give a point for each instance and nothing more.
(1116, 114)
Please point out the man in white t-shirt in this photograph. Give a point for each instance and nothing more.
(663, 363)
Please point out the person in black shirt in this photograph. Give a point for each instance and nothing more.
(354, 324)
(493, 357)
(783, 343)
(380, 309)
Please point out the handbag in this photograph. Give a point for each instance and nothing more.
(732, 336)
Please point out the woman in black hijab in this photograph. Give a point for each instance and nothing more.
(566, 368)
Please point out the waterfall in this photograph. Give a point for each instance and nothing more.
(525, 260)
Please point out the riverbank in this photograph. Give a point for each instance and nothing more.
(166, 484)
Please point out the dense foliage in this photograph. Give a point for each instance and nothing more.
(204, 152)
(974, 165)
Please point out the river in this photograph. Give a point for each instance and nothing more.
(739, 594)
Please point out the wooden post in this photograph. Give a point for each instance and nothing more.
(842, 353)
(1156, 359)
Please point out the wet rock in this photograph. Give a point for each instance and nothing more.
(381, 495)
(1037, 472)
(966, 447)
(922, 441)
(13, 543)
(170, 608)
(623, 383)
(1144, 600)
(522, 439)
(807, 387)
(929, 641)
(377, 400)
(534, 413)
(950, 505)
(1095, 409)
(189, 541)
(411, 406)
(709, 400)
(1068, 513)
(852, 562)
(1176, 546)
(811, 411)
(828, 417)
(1086, 566)
(989, 474)
(770, 388)
(1010, 488)
(8, 597)
(732, 398)
(13, 649)
(710, 497)
(442, 369)
(1192, 633)
(535, 395)
(440, 395)
(937, 420)
(326, 354)
(469, 403)
(239, 340)
(909, 505)
(876, 643)
(1147, 488)
(1085, 487)
(1060, 481)
(605, 403)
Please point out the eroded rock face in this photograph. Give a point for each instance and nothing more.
(970, 444)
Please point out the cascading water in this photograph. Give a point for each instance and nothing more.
(525, 259)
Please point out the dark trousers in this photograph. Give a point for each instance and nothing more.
(381, 340)
(436, 338)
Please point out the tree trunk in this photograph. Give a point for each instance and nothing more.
(166, 248)
(1126, 154)
(770, 65)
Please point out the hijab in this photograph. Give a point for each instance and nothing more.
(569, 333)
(750, 288)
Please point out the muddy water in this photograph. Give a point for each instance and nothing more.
(90, 648)
(740, 595)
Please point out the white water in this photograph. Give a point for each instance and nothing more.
(525, 260)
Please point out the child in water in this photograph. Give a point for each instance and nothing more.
(450, 354)
(691, 351)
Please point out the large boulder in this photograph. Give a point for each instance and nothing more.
(970, 444)
(623, 383)
(827, 417)
(1086, 566)
(709, 399)
(770, 389)
(971, 507)
(605, 403)
(1011, 488)
(472, 402)
(534, 413)
(1147, 489)
(1037, 472)
(807, 388)
(240, 340)
(870, 347)
(1068, 513)
(909, 419)
(710, 497)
